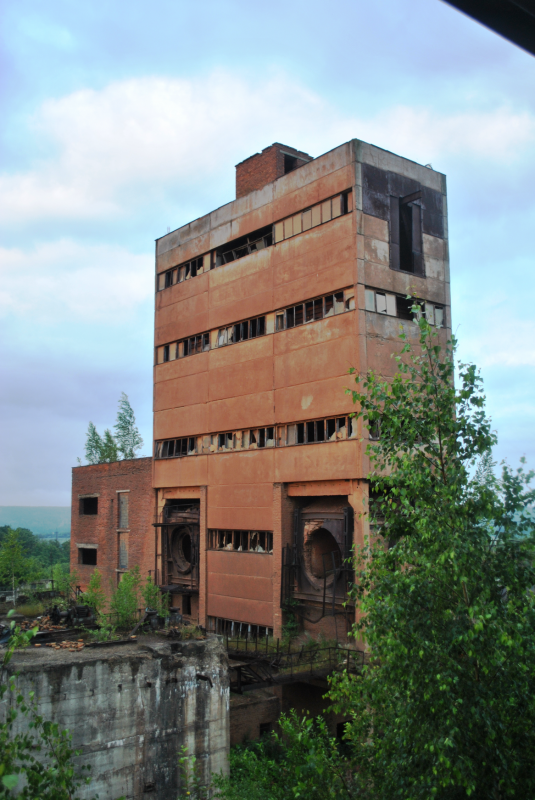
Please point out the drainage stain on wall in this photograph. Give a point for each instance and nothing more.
(131, 708)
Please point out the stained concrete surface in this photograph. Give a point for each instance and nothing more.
(130, 708)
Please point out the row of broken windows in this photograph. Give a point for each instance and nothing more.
(184, 272)
(398, 306)
(241, 541)
(328, 429)
(316, 309)
(241, 331)
(309, 311)
(230, 627)
(258, 240)
(185, 347)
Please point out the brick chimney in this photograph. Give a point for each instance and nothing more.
(265, 167)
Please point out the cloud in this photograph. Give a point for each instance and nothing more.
(511, 343)
(116, 148)
(66, 281)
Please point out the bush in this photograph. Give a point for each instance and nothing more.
(94, 595)
(154, 598)
(125, 599)
(303, 761)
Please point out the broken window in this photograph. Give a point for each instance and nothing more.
(244, 246)
(402, 307)
(234, 628)
(241, 541)
(241, 331)
(88, 506)
(290, 163)
(183, 272)
(313, 310)
(200, 343)
(320, 430)
(87, 556)
(122, 508)
(176, 448)
(406, 233)
(311, 217)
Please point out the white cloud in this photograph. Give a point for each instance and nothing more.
(64, 281)
(120, 146)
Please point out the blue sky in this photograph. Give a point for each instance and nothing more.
(122, 119)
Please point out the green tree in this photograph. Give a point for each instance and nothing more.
(126, 433)
(65, 581)
(15, 566)
(109, 452)
(93, 445)
(446, 706)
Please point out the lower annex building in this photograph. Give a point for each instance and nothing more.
(254, 492)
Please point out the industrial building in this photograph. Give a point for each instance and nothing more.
(254, 495)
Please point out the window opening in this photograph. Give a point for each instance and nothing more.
(87, 556)
(183, 272)
(241, 541)
(313, 310)
(244, 246)
(401, 307)
(406, 233)
(311, 217)
(318, 430)
(88, 506)
(241, 331)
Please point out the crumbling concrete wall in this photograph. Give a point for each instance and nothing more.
(130, 709)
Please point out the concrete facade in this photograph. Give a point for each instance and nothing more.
(262, 306)
(130, 709)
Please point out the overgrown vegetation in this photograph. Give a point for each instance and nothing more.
(154, 598)
(302, 761)
(446, 709)
(125, 599)
(36, 764)
(291, 627)
(94, 595)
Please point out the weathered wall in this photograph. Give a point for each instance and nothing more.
(263, 168)
(133, 476)
(254, 713)
(130, 709)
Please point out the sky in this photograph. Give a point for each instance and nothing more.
(122, 120)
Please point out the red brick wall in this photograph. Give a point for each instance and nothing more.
(249, 710)
(101, 529)
(263, 168)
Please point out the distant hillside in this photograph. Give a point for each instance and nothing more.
(38, 519)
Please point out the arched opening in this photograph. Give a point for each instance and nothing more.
(181, 549)
(320, 548)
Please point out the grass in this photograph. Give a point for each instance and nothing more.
(31, 609)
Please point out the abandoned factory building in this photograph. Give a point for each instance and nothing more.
(253, 496)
